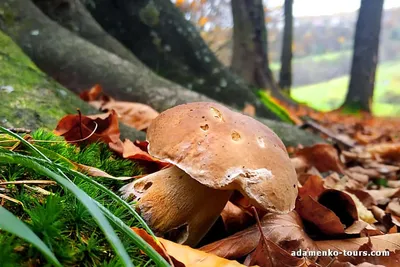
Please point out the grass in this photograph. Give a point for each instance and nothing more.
(332, 56)
(331, 94)
(66, 220)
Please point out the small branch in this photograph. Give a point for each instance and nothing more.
(11, 199)
(329, 133)
(29, 182)
(38, 190)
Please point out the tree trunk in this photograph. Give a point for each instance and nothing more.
(73, 15)
(250, 46)
(285, 74)
(365, 56)
(78, 64)
(32, 100)
(159, 35)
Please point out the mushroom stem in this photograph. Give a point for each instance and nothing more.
(176, 206)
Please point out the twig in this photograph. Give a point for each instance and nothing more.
(39, 190)
(19, 130)
(29, 182)
(329, 133)
(11, 199)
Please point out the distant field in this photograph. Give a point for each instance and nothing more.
(332, 56)
(329, 95)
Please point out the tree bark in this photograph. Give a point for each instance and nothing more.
(73, 15)
(159, 35)
(78, 64)
(250, 46)
(285, 74)
(32, 100)
(365, 56)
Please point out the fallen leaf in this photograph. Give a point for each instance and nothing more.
(394, 207)
(286, 230)
(324, 157)
(136, 115)
(91, 94)
(75, 127)
(364, 245)
(182, 255)
(131, 151)
(323, 218)
(158, 246)
(313, 186)
(268, 254)
(235, 218)
(387, 151)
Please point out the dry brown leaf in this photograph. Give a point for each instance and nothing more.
(341, 203)
(158, 246)
(268, 254)
(131, 151)
(383, 195)
(136, 115)
(313, 186)
(324, 157)
(390, 242)
(75, 127)
(387, 151)
(371, 173)
(235, 219)
(91, 94)
(323, 218)
(394, 207)
(284, 230)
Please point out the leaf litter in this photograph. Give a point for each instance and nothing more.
(349, 192)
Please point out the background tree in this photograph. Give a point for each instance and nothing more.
(250, 45)
(285, 74)
(365, 56)
(64, 49)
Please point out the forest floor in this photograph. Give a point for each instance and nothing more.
(349, 196)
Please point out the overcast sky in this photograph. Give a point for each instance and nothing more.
(326, 7)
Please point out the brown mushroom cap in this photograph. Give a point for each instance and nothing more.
(223, 149)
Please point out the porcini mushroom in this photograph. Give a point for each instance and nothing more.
(214, 151)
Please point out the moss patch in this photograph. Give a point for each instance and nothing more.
(29, 98)
(60, 220)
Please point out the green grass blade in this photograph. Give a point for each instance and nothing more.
(87, 201)
(30, 146)
(10, 223)
(144, 246)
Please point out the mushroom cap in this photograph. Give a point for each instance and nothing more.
(226, 150)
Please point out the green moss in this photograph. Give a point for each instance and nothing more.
(149, 14)
(60, 220)
(278, 110)
(29, 98)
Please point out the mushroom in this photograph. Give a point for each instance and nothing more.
(213, 151)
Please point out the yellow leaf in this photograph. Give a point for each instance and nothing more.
(179, 3)
(202, 21)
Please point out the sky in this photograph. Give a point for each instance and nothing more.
(326, 7)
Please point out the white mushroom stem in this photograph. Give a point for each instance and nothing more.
(176, 206)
